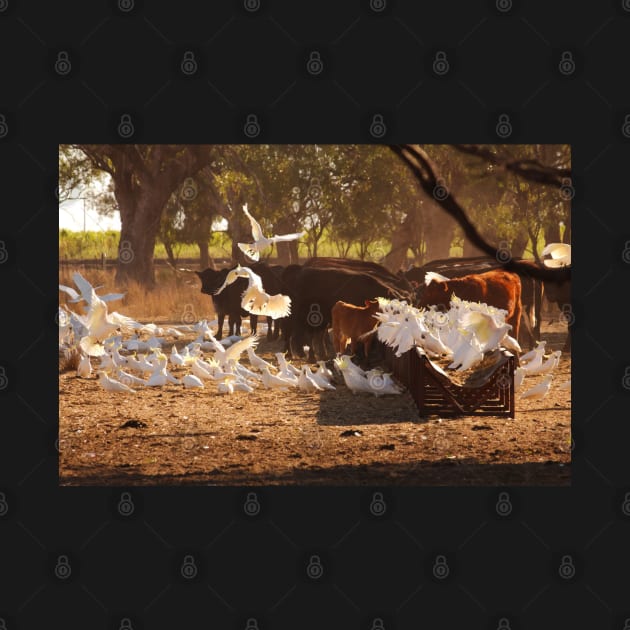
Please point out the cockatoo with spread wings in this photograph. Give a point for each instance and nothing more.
(261, 242)
(254, 299)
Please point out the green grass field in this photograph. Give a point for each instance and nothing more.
(86, 245)
(91, 245)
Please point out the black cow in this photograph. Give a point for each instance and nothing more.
(398, 280)
(314, 289)
(228, 302)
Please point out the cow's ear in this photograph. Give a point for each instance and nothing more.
(198, 273)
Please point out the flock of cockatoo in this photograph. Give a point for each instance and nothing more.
(128, 364)
(463, 335)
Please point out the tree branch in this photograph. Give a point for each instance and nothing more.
(531, 170)
(425, 172)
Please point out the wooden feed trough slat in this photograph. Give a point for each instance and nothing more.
(488, 392)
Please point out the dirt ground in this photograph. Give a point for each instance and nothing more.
(173, 436)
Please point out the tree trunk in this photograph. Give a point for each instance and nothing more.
(439, 229)
(519, 244)
(400, 243)
(552, 232)
(140, 220)
(170, 254)
(204, 258)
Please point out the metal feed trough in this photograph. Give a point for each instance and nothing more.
(489, 391)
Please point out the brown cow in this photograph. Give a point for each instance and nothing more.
(350, 322)
(498, 288)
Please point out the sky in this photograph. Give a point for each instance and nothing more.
(71, 217)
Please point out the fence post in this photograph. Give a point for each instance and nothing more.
(103, 260)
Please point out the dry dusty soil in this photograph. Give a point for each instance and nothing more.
(173, 436)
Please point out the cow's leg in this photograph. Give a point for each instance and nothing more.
(271, 333)
(539, 291)
(516, 319)
(221, 318)
(367, 344)
(315, 340)
(253, 323)
(236, 325)
(336, 335)
(526, 336)
(353, 345)
(298, 329)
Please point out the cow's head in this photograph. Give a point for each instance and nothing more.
(211, 280)
(435, 292)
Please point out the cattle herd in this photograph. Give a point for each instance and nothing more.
(339, 293)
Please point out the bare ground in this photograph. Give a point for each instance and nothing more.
(174, 436)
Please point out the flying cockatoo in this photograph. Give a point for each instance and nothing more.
(560, 255)
(86, 289)
(254, 299)
(261, 242)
